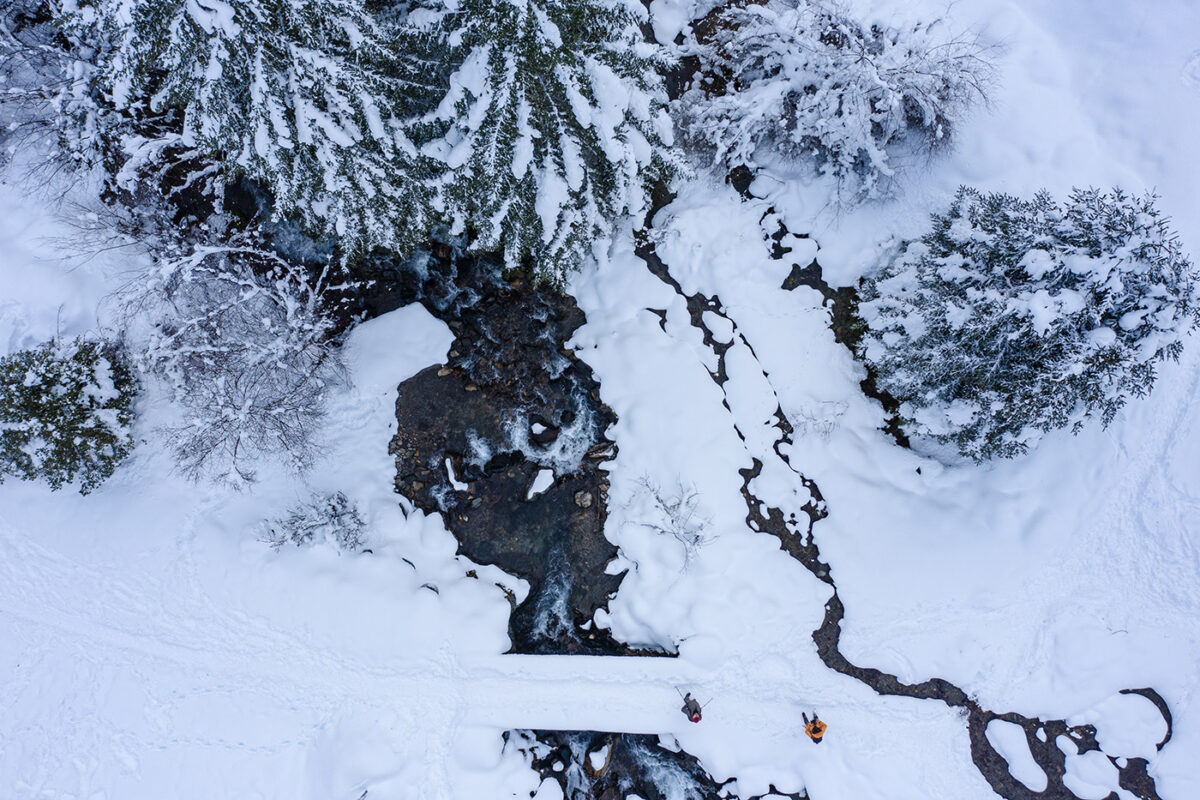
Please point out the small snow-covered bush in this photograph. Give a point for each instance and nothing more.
(65, 413)
(329, 518)
(673, 512)
(243, 338)
(552, 124)
(804, 79)
(1012, 317)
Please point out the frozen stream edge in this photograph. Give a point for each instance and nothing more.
(1133, 776)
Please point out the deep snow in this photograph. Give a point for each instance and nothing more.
(150, 646)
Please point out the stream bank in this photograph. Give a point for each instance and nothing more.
(506, 441)
(797, 537)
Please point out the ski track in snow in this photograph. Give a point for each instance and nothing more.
(146, 627)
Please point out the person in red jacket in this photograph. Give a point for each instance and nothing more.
(691, 708)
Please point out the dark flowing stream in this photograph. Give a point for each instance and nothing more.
(511, 405)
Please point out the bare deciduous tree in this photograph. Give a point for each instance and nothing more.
(243, 339)
(676, 513)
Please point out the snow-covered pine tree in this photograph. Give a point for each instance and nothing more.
(1014, 317)
(805, 80)
(305, 97)
(65, 412)
(552, 125)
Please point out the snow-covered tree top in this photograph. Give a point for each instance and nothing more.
(304, 96)
(551, 125)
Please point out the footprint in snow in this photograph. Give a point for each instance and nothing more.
(1191, 70)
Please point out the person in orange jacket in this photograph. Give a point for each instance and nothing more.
(814, 727)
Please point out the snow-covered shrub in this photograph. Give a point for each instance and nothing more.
(304, 97)
(329, 519)
(1014, 317)
(65, 412)
(243, 339)
(552, 125)
(805, 80)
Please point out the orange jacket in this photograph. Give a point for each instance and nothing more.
(815, 729)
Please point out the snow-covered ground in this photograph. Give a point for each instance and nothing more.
(151, 646)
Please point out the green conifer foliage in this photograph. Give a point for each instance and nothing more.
(65, 413)
(303, 96)
(552, 125)
(1013, 317)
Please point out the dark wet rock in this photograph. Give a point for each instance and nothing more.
(589, 765)
(740, 178)
(542, 432)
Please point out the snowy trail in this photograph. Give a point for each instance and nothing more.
(215, 667)
(619, 694)
(164, 669)
(245, 653)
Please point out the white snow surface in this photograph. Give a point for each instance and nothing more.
(151, 647)
(1009, 740)
(542, 481)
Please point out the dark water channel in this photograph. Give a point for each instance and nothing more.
(474, 435)
(613, 766)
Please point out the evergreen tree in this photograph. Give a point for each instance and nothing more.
(65, 413)
(552, 125)
(305, 97)
(1011, 318)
